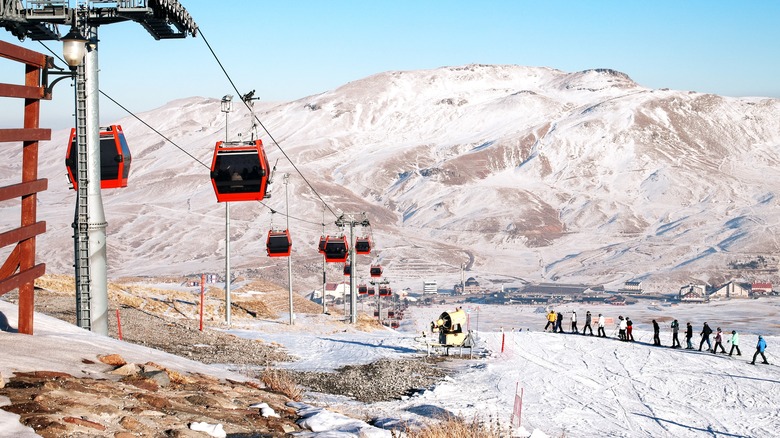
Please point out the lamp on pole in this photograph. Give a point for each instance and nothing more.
(89, 224)
(74, 47)
(226, 106)
(39, 21)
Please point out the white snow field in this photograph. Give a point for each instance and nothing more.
(573, 385)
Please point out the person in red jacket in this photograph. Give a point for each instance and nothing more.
(718, 342)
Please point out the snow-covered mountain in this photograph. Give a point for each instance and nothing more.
(522, 173)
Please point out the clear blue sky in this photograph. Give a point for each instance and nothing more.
(286, 50)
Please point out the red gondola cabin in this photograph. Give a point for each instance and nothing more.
(375, 271)
(336, 249)
(240, 171)
(385, 291)
(347, 270)
(362, 289)
(278, 243)
(363, 245)
(114, 158)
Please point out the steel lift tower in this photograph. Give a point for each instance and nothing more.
(39, 20)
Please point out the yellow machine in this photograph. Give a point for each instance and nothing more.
(451, 328)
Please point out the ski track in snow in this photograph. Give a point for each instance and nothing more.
(584, 385)
(573, 385)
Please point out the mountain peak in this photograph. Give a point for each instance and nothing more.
(529, 172)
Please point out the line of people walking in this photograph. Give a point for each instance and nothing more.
(625, 328)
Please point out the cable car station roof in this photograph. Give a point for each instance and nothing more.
(38, 19)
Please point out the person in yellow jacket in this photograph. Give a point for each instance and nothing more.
(550, 320)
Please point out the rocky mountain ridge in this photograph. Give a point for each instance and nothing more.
(526, 174)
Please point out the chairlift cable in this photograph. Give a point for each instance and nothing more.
(132, 114)
(287, 215)
(153, 129)
(235, 88)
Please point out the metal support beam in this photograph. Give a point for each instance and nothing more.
(350, 221)
(97, 217)
(289, 257)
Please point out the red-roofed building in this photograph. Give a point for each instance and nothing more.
(761, 288)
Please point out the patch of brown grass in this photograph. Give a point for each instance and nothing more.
(61, 284)
(452, 426)
(282, 382)
(367, 323)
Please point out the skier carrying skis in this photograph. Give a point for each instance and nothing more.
(574, 322)
(718, 342)
(656, 334)
(587, 323)
(760, 347)
(675, 331)
(602, 322)
(734, 343)
(688, 336)
(706, 331)
(629, 330)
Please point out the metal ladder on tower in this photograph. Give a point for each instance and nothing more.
(81, 220)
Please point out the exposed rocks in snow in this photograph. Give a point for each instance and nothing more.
(58, 404)
(379, 381)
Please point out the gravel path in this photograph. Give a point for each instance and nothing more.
(379, 381)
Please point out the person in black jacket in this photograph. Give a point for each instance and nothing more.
(559, 323)
(706, 331)
(719, 342)
(688, 336)
(656, 334)
(587, 326)
(675, 331)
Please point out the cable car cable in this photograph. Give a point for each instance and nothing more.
(128, 111)
(235, 88)
(287, 215)
(153, 129)
(133, 114)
